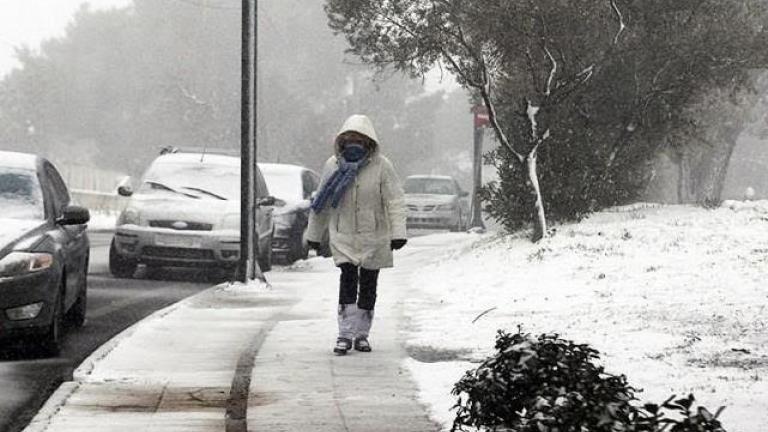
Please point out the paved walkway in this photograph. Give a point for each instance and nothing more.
(179, 369)
(298, 385)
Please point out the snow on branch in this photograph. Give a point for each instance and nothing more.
(531, 111)
(622, 26)
(552, 72)
(190, 95)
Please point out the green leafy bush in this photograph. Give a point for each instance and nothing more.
(548, 384)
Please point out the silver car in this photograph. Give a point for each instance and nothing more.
(186, 213)
(435, 202)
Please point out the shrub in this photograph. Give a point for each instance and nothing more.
(548, 384)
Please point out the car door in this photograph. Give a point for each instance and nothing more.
(74, 241)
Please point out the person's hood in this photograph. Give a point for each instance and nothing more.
(361, 124)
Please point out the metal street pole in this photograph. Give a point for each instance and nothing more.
(249, 267)
(480, 117)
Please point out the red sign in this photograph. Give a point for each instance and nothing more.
(481, 116)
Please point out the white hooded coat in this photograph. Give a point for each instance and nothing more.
(371, 212)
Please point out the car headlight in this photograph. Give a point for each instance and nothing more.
(451, 206)
(129, 216)
(231, 222)
(19, 263)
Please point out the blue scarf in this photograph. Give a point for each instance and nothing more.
(352, 159)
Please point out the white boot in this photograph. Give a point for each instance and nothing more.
(364, 322)
(347, 317)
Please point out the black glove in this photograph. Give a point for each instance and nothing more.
(396, 244)
(313, 245)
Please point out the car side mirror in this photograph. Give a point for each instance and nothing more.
(267, 201)
(124, 187)
(74, 215)
(125, 191)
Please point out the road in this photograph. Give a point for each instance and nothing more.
(27, 379)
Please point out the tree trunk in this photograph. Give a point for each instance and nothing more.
(684, 178)
(711, 175)
(540, 221)
(477, 174)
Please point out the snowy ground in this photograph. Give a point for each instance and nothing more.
(102, 221)
(674, 297)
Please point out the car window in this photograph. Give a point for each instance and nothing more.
(261, 186)
(284, 184)
(59, 189)
(201, 180)
(21, 196)
(430, 186)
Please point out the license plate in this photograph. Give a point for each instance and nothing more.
(177, 241)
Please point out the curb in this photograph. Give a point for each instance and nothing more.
(51, 407)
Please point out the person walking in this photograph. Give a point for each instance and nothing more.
(360, 203)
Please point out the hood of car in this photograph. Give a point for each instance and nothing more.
(429, 199)
(183, 209)
(12, 231)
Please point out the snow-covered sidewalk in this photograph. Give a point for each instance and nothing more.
(170, 372)
(178, 370)
(673, 297)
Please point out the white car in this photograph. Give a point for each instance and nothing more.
(435, 202)
(186, 213)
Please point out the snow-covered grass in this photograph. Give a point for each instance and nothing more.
(674, 297)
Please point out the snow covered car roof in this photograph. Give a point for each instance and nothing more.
(191, 158)
(18, 160)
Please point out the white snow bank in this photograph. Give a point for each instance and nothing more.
(674, 297)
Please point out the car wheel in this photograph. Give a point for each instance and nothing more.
(119, 266)
(51, 342)
(265, 259)
(76, 315)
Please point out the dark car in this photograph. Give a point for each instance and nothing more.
(44, 252)
(293, 186)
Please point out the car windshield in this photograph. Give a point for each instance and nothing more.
(429, 186)
(20, 194)
(193, 180)
(284, 185)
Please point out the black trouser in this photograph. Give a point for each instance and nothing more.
(353, 276)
